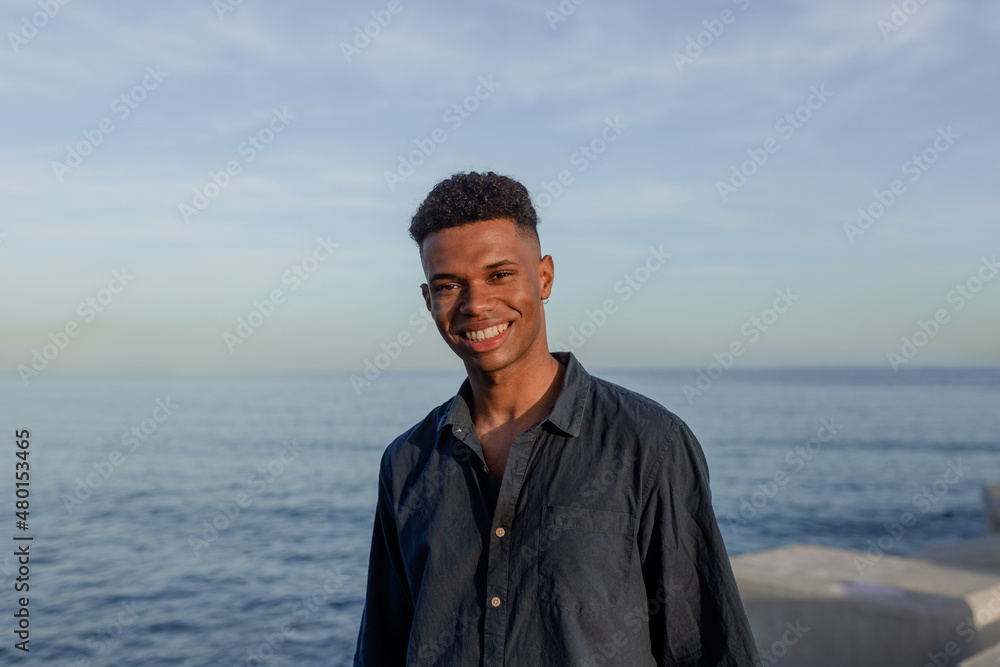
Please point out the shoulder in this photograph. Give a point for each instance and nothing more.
(668, 445)
(630, 408)
(413, 446)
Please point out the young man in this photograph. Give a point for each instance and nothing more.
(542, 516)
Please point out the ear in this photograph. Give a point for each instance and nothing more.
(426, 291)
(546, 275)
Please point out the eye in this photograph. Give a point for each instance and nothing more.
(501, 274)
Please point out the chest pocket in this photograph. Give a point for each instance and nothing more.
(585, 557)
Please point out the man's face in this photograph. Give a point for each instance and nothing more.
(485, 283)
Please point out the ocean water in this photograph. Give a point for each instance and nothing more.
(235, 529)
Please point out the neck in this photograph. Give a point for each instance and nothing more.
(524, 391)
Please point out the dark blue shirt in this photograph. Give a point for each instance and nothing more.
(599, 548)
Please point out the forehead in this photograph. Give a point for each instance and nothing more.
(475, 246)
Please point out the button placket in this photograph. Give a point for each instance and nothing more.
(498, 572)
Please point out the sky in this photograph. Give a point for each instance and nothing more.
(226, 186)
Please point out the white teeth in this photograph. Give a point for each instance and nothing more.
(484, 334)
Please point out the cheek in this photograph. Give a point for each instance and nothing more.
(441, 313)
(530, 300)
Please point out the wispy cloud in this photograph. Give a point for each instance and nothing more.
(686, 129)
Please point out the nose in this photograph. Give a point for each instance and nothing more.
(476, 299)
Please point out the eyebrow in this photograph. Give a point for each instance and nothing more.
(497, 265)
(488, 267)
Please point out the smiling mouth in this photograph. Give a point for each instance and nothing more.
(485, 334)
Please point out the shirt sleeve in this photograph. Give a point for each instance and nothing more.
(388, 612)
(696, 616)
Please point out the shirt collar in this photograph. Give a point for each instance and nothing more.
(566, 414)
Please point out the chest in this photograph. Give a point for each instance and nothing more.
(496, 450)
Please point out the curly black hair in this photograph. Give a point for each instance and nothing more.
(473, 197)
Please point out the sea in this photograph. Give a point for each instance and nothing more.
(226, 519)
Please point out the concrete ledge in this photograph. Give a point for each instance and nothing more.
(988, 658)
(982, 553)
(823, 607)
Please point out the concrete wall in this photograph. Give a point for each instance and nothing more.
(982, 553)
(817, 606)
(988, 658)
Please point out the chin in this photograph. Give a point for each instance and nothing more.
(488, 362)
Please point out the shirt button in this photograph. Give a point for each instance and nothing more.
(495, 602)
(501, 532)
